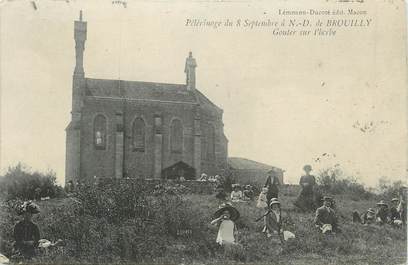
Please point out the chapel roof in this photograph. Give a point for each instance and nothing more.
(150, 91)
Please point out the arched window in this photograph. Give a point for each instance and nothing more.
(204, 143)
(210, 143)
(138, 132)
(100, 132)
(176, 137)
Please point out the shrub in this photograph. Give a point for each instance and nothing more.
(389, 190)
(19, 183)
(117, 222)
(334, 181)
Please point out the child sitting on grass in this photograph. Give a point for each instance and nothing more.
(262, 200)
(225, 218)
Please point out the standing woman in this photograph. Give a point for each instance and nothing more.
(272, 183)
(305, 200)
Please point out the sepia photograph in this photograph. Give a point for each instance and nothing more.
(203, 132)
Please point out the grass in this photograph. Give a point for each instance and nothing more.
(356, 245)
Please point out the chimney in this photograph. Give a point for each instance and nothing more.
(80, 37)
(190, 72)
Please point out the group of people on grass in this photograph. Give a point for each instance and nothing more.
(27, 236)
(309, 200)
(396, 215)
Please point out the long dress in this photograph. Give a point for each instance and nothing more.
(26, 231)
(305, 200)
(272, 183)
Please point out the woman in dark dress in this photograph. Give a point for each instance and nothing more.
(26, 233)
(306, 198)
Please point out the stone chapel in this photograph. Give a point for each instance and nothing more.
(137, 129)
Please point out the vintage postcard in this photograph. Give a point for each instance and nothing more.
(203, 132)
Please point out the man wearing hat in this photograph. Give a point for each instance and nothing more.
(395, 215)
(325, 218)
(305, 201)
(382, 214)
(26, 233)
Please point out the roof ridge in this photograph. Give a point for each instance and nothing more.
(133, 81)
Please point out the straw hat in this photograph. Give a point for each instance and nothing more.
(274, 201)
(395, 200)
(382, 203)
(371, 210)
(234, 214)
(327, 198)
(29, 207)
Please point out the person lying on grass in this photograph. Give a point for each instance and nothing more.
(325, 218)
(225, 218)
(366, 218)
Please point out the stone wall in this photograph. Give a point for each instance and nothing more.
(137, 164)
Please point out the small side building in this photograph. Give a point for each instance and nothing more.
(246, 170)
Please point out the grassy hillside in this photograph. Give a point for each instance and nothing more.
(357, 244)
(102, 238)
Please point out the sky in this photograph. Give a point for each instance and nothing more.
(287, 101)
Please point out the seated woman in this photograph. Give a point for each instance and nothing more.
(236, 194)
(273, 220)
(274, 223)
(203, 177)
(248, 193)
(220, 193)
(26, 233)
